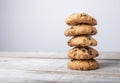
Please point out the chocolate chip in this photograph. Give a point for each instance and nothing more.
(75, 50)
(96, 54)
(83, 50)
(91, 43)
(89, 38)
(90, 52)
(68, 42)
(83, 14)
(75, 54)
(92, 32)
(93, 19)
(71, 28)
(72, 59)
(86, 48)
(69, 23)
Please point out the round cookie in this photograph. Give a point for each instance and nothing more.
(82, 53)
(80, 30)
(90, 64)
(80, 18)
(82, 41)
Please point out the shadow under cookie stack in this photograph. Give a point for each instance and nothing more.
(82, 55)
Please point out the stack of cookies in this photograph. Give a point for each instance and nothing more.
(82, 55)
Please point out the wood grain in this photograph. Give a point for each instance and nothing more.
(52, 69)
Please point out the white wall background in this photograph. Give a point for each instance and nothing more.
(38, 25)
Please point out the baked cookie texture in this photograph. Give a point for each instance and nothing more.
(80, 18)
(80, 30)
(82, 41)
(82, 53)
(90, 64)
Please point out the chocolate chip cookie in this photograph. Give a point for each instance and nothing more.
(83, 64)
(80, 30)
(82, 53)
(80, 18)
(82, 41)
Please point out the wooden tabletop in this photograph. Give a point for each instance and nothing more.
(39, 67)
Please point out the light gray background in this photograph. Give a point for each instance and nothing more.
(38, 25)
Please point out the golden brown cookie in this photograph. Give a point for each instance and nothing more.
(80, 18)
(90, 64)
(82, 41)
(82, 53)
(80, 30)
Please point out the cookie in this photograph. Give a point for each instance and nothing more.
(82, 41)
(80, 18)
(90, 64)
(80, 30)
(82, 53)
